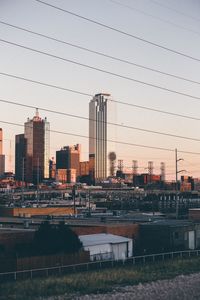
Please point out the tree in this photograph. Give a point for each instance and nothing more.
(52, 239)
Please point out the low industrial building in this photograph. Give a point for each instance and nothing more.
(107, 246)
(167, 235)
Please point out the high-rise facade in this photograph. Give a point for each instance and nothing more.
(1, 141)
(101, 133)
(37, 136)
(68, 160)
(20, 155)
(2, 156)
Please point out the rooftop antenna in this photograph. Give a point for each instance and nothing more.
(37, 112)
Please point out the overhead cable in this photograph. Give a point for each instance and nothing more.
(100, 53)
(91, 95)
(101, 70)
(155, 17)
(112, 141)
(119, 31)
(109, 123)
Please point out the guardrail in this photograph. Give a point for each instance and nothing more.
(96, 265)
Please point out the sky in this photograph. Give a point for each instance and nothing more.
(174, 24)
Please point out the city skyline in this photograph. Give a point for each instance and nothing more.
(21, 62)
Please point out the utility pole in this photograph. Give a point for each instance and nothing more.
(89, 208)
(176, 184)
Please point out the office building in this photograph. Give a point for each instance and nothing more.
(68, 159)
(101, 133)
(20, 154)
(37, 136)
(2, 157)
(84, 168)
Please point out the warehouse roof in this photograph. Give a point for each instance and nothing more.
(102, 238)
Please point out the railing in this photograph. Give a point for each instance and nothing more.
(96, 265)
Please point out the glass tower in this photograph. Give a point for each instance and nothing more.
(2, 157)
(37, 136)
(101, 111)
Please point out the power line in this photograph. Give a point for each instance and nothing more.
(109, 123)
(157, 110)
(101, 70)
(100, 53)
(154, 17)
(45, 84)
(112, 141)
(90, 95)
(118, 30)
(175, 10)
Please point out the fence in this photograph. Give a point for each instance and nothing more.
(61, 270)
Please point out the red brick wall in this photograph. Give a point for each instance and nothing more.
(10, 239)
(128, 230)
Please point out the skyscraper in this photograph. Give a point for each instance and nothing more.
(68, 160)
(101, 112)
(20, 155)
(2, 157)
(1, 141)
(37, 136)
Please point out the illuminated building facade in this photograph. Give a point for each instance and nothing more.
(2, 157)
(68, 159)
(37, 136)
(20, 154)
(101, 113)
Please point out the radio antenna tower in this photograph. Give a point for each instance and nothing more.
(120, 165)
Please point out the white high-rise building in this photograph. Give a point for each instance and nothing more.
(101, 112)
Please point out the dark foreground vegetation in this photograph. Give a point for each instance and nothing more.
(97, 281)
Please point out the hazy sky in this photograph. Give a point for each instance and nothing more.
(174, 24)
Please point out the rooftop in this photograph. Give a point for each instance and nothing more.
(102, 238)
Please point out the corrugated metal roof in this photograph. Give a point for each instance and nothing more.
(101, 239)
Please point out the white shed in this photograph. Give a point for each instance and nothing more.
(107, 246)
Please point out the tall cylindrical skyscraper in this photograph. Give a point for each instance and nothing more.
(101, 135)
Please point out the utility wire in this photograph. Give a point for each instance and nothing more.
(90, 95)
(109, 123)
(175, 10)
(99, 53)
(46, 84)
(112, 141)
(118, 30)
(154, 17)
(101, 70)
